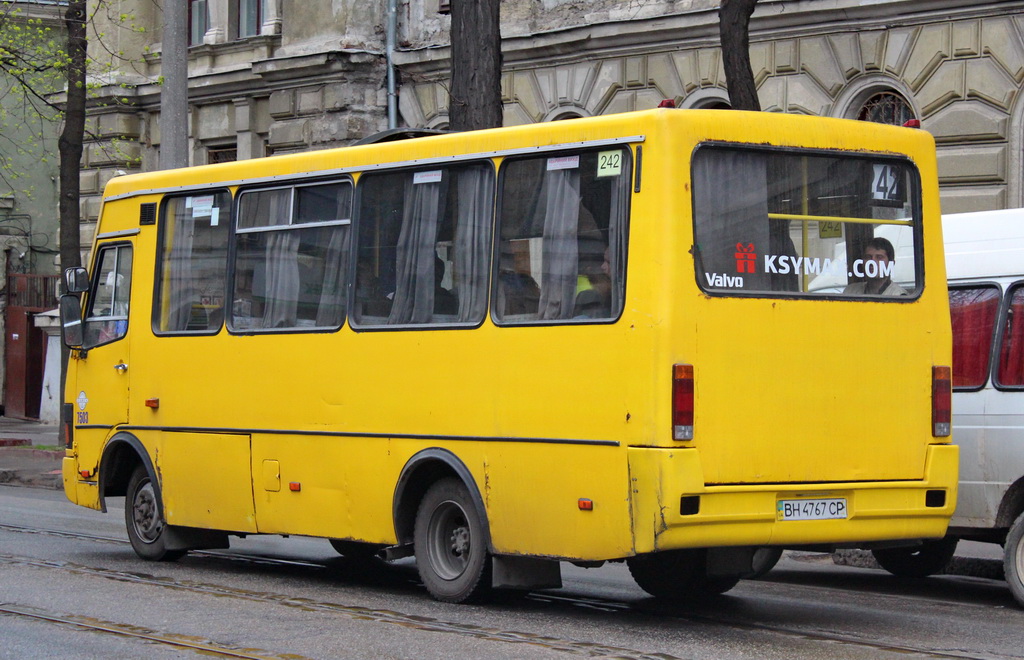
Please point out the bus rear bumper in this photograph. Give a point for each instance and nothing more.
(673, 508)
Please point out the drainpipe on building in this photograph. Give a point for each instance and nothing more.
(392, 21)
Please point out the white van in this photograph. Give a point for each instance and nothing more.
(985, 268)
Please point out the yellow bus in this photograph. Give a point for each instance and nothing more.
(587, 341)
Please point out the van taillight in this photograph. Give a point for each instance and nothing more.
(942, 401)
(682, 402)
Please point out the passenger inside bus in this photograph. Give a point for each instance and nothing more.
(876, 267)
(593, 301)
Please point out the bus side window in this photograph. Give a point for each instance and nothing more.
(107, 317)
(423, 247)
(291, 247)
(973, 311)
(562, 227)
(192, 263)
(1011, 353)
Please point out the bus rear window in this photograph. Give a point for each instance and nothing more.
(794, 223)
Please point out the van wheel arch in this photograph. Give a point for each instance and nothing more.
(423, 470)
(1011, 506)
(122, 454)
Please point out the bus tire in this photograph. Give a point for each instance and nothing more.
(678, 575)
(918, 561)
(450, 544)
(142, 515)
(1013, 559)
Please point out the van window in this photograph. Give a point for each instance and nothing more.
(1011, 353)
(973, 311)
(192, 263)
(562, 249)
(790, 223)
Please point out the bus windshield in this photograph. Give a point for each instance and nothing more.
(790, 223)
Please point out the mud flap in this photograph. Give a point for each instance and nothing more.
(192, 538)
(723, 562)
(525, 573)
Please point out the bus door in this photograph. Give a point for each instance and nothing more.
(100, 394)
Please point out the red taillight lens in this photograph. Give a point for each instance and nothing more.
(682, 402)
(942, 401)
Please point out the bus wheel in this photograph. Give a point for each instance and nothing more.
(142, 517)
(451, 551)
(1013, 559)
(678, 575)
(918, 561)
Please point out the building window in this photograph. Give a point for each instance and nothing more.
(221, 155)
(444, 6)
(198, 21)
(250, 17)
(886, 108)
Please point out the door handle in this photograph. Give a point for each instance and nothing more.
(121, 367)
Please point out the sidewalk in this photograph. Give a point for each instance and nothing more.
(21, 463)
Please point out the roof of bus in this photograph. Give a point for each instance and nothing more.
(984, 244)
(739, 126)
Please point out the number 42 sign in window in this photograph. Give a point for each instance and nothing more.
(887, 183)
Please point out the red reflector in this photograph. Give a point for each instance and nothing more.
(912, 123)
(84, 473)
(667, 103)
(153, 403)
(585, 504)
(682, 401)
(294, 486)
(942, 401)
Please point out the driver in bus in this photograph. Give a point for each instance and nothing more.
(877, 266)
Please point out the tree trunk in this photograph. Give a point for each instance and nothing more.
(475, 96)
(734, 28)
(69, 145)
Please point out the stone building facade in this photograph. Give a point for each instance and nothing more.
(276, 76)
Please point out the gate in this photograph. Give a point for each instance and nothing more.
(25, 344)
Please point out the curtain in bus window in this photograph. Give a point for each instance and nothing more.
(417, 252)
(973, 312)
(472, 241)
(332, 296)
(1011, 354)
(181, 293)
(560, 206)
(731, 211)
(619, 207)
(282, 284)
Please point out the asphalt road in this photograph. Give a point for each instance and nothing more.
(71, 587)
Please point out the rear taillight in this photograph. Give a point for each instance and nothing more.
(942, 401)
(682, 402)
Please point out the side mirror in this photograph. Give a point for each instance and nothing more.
(76, 280)
(71, 329)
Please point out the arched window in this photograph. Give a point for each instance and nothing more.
(886, 108)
